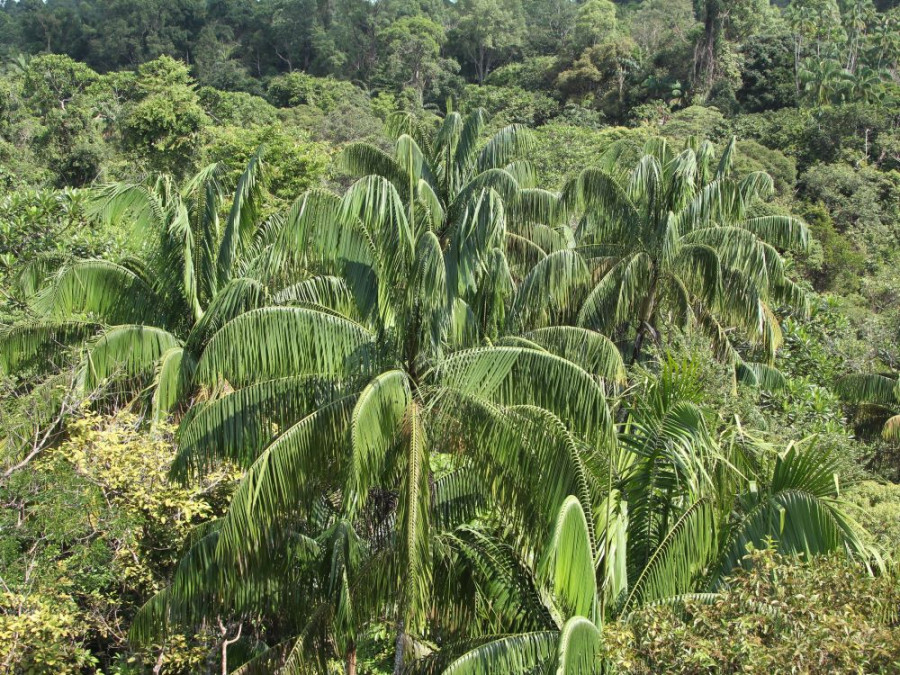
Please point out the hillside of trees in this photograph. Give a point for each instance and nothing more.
(417, 336)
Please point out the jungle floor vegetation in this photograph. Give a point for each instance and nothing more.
(498, 336)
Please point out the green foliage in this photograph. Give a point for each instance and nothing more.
(421, 370)
(237, 109)
(97, 525)
(510, 104)
(164, 123)
(822, 617)
(295, 162)
(564, 149)
(287, 91)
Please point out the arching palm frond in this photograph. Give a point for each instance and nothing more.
(242, 218)
(41, 344)
(126, 352)
(109, 292)
(273, 342)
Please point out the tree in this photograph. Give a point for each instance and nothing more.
(488, 33)
(441, 172)
(143, 323)
(414, 53)
(595, 22)
(664, 532)
(677, 238)
(164, 122)
(369, 378)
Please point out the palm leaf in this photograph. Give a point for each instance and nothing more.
(508, 144)
(515, 654)
(568, 564)
(242, 218)
(593, 352)
(868, 388)
(173, 381)
(41, 343)
(580, 647)
(273, 342)
(517, 376)
(126, 352)
(100, 289)
(374, 430)
(239, 425)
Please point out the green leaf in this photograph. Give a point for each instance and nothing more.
(568, 563)
(109, 292)
(273, 342)
(374, 430)
(515, 655)
(173, 381)
(242, 218)
(580, 647)
(41, 343)
(126, 352)
(868, 388)
(595, 353)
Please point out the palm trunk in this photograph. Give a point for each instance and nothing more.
(399, 647)
(647, 310)
(350, 667)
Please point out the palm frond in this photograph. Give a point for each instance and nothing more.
(552, 290)
(868, 388)
(568, 563)
(516, 376)
(41, 343)
(580, 647)
(508, 144)
(173, 381)
(243, 216)
(617, 295)
(238, 296)
(273, 342)
(785, 232)
(593, 352)
(101, 289)
(760, 375)
(239, 425)
(362, 159)
(286, 479)
(374, 430)
(682, 557)
(126, 352)
(515, 654)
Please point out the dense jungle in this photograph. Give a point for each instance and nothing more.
(463, 337)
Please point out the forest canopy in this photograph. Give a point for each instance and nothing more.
(413, 336)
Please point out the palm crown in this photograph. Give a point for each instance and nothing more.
(145, 321)
(369, 378)
(674, 238)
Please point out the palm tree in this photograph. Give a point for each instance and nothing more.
(674, 239)
(827, 80)
(144, 321)
(877, 395)
(440, 170)
(678, 515)
(374, 374)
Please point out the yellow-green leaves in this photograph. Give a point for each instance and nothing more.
(568, 565)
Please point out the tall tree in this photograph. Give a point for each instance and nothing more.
(369, 378)
(488, 33)
(675, 235)
(413, 53)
